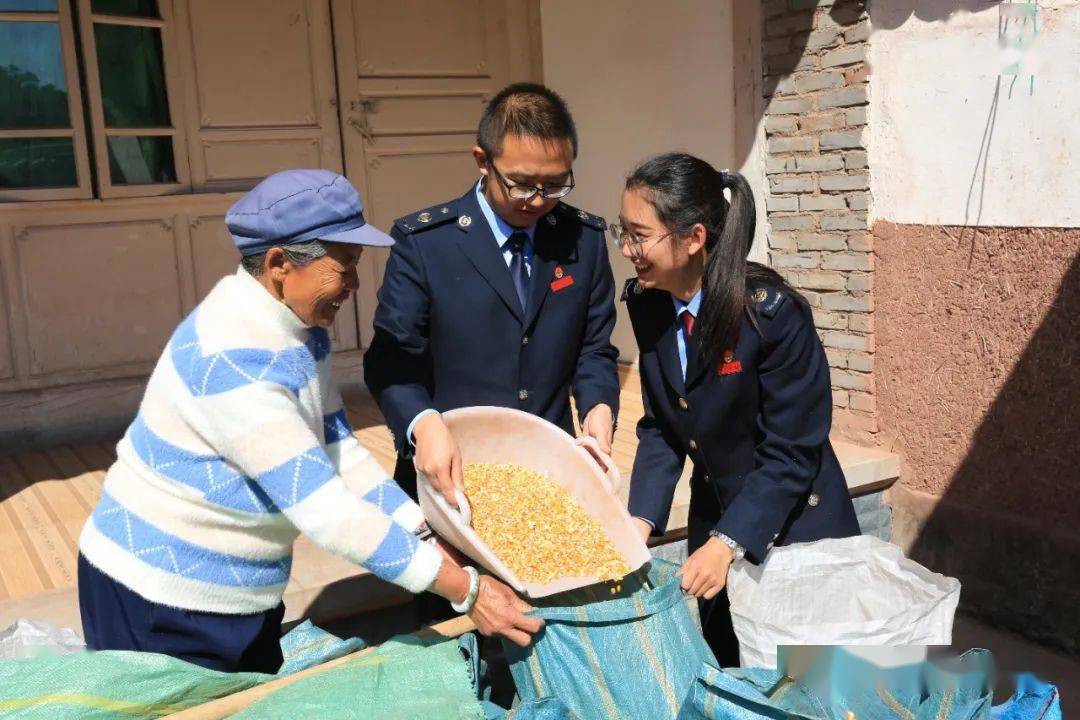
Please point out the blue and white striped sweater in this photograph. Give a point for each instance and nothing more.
(240, 442)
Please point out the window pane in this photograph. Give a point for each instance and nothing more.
(27, 5)
(141, 160)
(132, 76)
(137, 8)
(33, 91)
(37, 162)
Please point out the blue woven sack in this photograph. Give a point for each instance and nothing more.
(632, 655)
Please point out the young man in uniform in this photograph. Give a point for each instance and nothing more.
(503, 296)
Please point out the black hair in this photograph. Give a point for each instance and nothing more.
(528, 109)
(684, 191)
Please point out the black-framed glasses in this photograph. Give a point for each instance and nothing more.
(523, 191)
(624, 237)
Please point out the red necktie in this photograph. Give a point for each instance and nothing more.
(687, 319)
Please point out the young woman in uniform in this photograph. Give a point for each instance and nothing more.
(733, 377)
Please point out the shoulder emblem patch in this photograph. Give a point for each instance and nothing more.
(767, 300)
(585, 218)
(428, 218)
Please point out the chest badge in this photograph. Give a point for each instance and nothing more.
(730, 366)
(562, 280)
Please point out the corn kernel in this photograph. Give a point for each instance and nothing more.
(536, 528)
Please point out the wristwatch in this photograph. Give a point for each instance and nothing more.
(738, 550)
(474, 589)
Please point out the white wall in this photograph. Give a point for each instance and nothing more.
(641, 78)
(941, 153)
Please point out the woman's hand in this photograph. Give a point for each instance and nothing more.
(704, 573)
(438, 456)
(499, 611)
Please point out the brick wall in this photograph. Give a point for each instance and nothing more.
(816, 87)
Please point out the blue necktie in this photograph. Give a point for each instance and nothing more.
(518, 269)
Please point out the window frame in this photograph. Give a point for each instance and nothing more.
(83, 189)
(166, 25)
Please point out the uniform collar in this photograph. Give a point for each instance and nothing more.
(693, 306)
(501, 229)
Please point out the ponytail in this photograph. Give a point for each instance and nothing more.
(723, 282)
(684, 191)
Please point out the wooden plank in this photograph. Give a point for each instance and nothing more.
(94, 456)
(85, 481)
(233, 704)
(63, 510)
(53, 548)
(22, 568)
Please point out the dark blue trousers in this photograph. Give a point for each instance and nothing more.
(716, 623)
(115, 618)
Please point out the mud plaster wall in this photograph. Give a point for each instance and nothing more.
(978, 364)
(955, 139)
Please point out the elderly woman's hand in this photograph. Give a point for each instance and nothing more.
(438, 457)
(499, 611)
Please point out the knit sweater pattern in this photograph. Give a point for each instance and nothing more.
(241, 443)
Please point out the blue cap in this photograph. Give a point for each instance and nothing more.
(295, 206)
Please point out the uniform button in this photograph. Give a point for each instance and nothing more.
(683, 405)
(523, 394)
(693, 444)
(813, 500)
(525, 340)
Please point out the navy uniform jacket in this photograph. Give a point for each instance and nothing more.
(450, 331)
(756, 426)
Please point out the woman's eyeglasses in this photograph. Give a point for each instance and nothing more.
(624, 237)
(522, 191)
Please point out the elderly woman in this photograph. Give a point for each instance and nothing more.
(241, 443)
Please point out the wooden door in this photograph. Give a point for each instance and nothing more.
(413, 79)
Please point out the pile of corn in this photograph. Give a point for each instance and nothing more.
(536, 528)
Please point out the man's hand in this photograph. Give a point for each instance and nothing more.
(644, 529)
(704, 573)
(600, 425)
(438, 457)
(498, 611)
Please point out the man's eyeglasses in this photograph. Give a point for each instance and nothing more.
(522, 191)
(623, 237)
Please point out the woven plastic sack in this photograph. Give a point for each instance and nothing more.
(403, 679)
(1033, 700)
(56, 678)
(919, 692)
(307, 646)
(111, 684)
(634, 656)
(850, 591)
